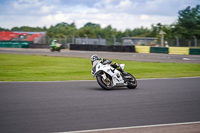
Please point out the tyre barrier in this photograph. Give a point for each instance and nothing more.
(179, 50)
(116, 48)
(142, 49)
(162, 50)
(89, 47)
(194, 51)
(137, 49)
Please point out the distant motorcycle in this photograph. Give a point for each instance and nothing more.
(55, 46)
(109, 77)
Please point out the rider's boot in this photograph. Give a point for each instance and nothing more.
(124, 74)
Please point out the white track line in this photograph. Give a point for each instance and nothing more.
(120, 128)
(169, 78)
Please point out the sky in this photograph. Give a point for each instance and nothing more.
(120, 14)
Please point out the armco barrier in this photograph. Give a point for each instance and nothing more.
(89, 47)
(194, 51)
(142, 49)
(159, 50)
(179, 50)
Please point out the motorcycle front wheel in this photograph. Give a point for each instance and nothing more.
(105, 84)
(132, 83)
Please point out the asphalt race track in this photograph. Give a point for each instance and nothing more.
(151, 57)
(45, 107)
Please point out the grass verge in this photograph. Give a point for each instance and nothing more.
(46, 68)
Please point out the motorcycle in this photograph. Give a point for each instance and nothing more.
(56, 47)
(109, 77)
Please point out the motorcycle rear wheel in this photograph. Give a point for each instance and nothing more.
(106, 85)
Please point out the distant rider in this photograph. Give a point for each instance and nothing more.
(95, 58)
(54, 43)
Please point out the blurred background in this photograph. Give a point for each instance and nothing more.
(153, 23)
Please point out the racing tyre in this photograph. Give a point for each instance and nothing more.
(132, 83)
(105, 84)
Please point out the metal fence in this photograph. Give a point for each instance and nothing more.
(124, 41)
(176, 42)
(183, 42)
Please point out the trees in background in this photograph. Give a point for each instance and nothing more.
(29, 29)
(188, 24)
(93, 30)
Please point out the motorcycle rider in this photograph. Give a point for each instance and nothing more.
(95, 58)
(53, 43)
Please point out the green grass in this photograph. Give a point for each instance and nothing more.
(46, 68)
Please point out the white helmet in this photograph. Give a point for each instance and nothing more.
(93, 58)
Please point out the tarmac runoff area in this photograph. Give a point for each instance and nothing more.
(187, 127)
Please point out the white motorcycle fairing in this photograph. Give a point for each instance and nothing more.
(102, 69)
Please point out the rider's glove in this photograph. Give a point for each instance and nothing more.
(107, 62)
